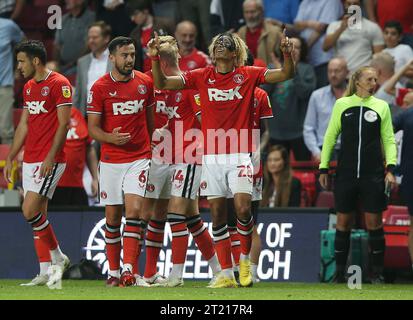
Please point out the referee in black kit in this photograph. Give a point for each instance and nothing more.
(366, 131)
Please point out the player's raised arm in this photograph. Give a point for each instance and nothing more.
(288, 69)
(160, 80)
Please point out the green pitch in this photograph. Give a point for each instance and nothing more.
(87, 290)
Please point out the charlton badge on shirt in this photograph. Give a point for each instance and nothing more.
(45, 91)
(66, 91)
(142, 89)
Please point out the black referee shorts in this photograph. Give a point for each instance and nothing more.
(368, 191)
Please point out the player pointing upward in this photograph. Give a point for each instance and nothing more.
(227, 98)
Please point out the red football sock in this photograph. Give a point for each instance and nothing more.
(245, 228)
(201, 236)
(42, 251)
(153, 245)
(222, 246)
(235, 244)
(44, 231)
(113, 246)
(179, 237)
(131, 237)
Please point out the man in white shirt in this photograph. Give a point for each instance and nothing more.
(357, 43)
(93, 65)
(402, 53)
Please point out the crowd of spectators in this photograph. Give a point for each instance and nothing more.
(331, 41)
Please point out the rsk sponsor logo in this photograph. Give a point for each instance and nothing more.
(171, 112)
(127, 107)
(224, 95)
(36, 107)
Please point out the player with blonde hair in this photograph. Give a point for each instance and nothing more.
(226, 92)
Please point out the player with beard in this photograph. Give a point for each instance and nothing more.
(227, 98)
(121, 118)
(42, 130)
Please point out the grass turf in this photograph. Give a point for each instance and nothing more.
(196, 290)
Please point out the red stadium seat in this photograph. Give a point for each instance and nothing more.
(308, 186)
(325, 199)
(17, 113)
(396, 215)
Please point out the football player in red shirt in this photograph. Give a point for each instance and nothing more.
(120, 116)
(262, 111)
(183, 213)
(227, 95)
(42, 130)
(79, 152)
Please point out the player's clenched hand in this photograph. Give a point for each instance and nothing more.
(323, 179)
(46, 168)
(153, 46)
(119, 138)
(287, 46)
(95, 187)
(7, 170)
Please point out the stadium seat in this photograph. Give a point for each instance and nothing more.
(396, 215)
(308, 187)
(325, 199)
(17, 113)
(397, 249)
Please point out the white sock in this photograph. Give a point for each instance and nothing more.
(127, 267)
(228, 272)
(56, 255)
(254, 270)
(244, 257)
(177, 271)
(44, 266)
(214, 264)
(114, 273)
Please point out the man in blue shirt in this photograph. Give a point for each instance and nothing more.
(10, 34)
(312, 20)
(281, 11)
(321, 105)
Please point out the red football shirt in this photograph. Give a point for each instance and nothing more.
(182, 108)
(226, 102)
(123, 104)
(42, 99)
(160, 116)
(196, 59)
(75, 149)
(262, 110)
